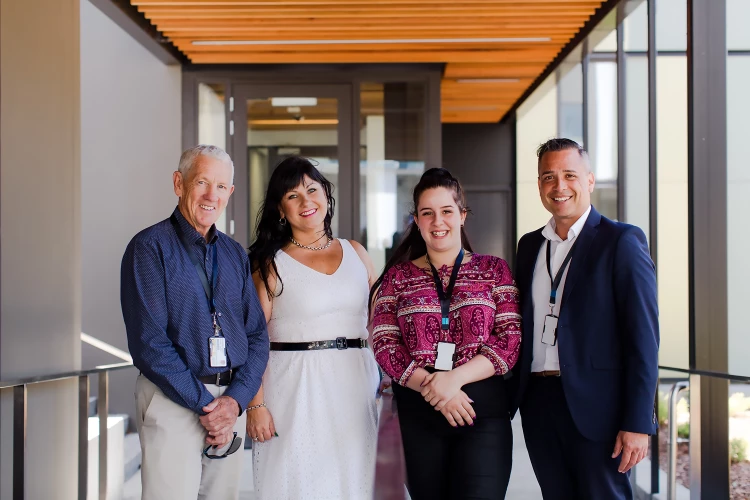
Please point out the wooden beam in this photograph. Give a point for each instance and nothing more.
(330, 34)
(307, 3)
(188, 46)
(359, 12)
(417, 56)
(474, 70)
(534, 27)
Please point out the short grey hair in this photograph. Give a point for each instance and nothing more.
(190, 155)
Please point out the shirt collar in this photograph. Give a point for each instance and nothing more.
(192, 234)
(549, 230)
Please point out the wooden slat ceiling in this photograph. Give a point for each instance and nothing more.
(482, 79)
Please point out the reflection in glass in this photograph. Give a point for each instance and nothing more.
(392, 156)
(212, 122)
(277, 130)
(602, 131)
(738, 183)
(570, 103)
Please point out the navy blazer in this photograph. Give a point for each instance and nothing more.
(608, 331)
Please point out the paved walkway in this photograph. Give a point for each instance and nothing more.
(523, 485)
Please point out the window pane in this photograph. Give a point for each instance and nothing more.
(392, 161)
(602, 129)
(671, 25)
(672, 196)
(212, 122)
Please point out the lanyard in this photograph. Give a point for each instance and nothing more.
(445, 295)
(555, 283)
(209, 289)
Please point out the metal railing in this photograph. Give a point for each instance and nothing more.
(677, 388)
(20, 417)
(674, 392)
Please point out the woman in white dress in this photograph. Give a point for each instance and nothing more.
(314, 420)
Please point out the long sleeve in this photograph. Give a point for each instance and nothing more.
(248, 378)
(504, 342)
(390, 351)
(637, 310)
(144, 309)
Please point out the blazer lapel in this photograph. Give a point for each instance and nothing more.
(582, 246)
(530, 256)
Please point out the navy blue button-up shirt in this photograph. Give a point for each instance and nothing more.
(168, 320)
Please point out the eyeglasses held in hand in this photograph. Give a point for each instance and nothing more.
(236, 443)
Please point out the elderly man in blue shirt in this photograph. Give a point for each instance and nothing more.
(198, 335)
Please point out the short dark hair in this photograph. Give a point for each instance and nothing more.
(559, 144)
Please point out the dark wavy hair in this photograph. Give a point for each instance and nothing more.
(270, 235)
(412, 245)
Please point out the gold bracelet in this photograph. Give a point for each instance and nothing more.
(255, 407)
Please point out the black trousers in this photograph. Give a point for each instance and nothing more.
(470, 462)
(567, 465)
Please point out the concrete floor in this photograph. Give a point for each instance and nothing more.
(523, 485)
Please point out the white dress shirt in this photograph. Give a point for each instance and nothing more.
(545, 356)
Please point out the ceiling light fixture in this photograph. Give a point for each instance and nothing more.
(373, 42)
(488, 80)
(283, 102)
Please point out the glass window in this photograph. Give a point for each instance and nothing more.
(602, 135)
(212, 122)
(570, 103)
(278, 127)
(392, 159)
(635, 26)
(738, 183)
(671, 25)
(672, 214)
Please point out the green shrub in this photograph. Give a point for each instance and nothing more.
(683, 430)
(737, 450)
(662, 411)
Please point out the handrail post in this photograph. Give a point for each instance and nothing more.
(20, 417)
(83, 436)
(103, 412)
(672, 456)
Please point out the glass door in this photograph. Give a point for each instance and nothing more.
(271, 122)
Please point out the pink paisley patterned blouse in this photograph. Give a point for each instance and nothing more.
(484, 317)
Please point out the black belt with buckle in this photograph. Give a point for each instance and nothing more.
(340, 343)
(221, 379)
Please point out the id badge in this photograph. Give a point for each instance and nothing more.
(217, 351)
(549, 333)
(445, 351)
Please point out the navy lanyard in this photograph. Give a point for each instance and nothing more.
(445, 295)
(208, 288)
(555, 283)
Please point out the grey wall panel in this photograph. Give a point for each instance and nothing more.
(130, 145)
(482, 156)
(40, 241)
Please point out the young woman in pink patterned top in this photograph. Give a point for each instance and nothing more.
(447, 358)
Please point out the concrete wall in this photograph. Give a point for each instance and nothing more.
(40, 239)
(130, 136)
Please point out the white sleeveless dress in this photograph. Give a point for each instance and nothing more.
(323, 402)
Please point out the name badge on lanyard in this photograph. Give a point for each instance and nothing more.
(549, 331)
(446, 350)
(217, 344)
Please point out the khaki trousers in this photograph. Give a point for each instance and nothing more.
(172, 441)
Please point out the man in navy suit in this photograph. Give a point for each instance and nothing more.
(587, 376)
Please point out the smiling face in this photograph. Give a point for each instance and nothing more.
(204, 193)
(439, 220)
(565, 185)
(305, 207)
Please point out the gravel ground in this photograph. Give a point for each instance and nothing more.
(739, 474)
